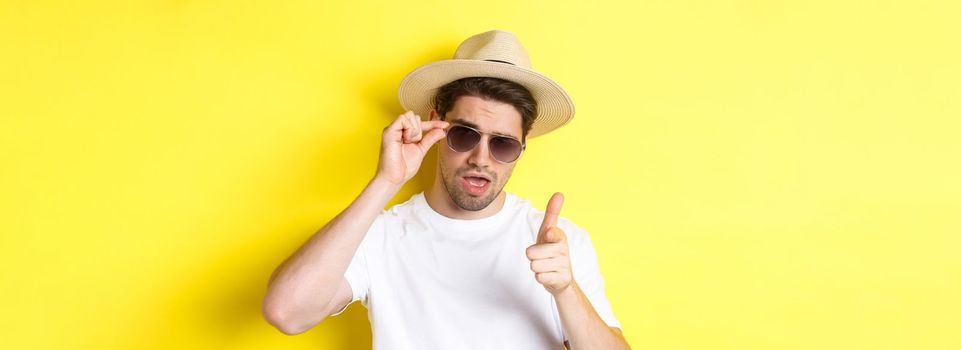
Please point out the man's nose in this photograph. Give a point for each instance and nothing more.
(480, 156)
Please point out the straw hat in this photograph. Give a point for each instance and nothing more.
(496, 54)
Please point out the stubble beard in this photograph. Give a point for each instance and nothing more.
(464, 200)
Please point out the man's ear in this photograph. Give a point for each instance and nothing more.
(433, 115)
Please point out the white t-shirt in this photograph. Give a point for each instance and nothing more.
(432, 282)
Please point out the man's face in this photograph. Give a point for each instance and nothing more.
(473, 179)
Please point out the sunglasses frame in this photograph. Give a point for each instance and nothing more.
(490, 137)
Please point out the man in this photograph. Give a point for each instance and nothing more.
(464, 264)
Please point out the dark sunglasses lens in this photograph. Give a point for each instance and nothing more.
(462, 139)
(505, 149)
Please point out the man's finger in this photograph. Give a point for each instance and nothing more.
(416, 132)
(547, 278)
(555, 235)
(552, 264)
(431, 124)
(407, 129)
(415, 129)
(552, 235)
(552, 212)
(546, 250)
(413, 125)
(396, 125)
(431, 138)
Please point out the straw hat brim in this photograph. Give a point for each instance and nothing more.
(554, 106)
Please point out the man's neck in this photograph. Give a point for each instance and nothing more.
(439, 200)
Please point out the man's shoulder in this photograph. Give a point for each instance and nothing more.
(406, 207)
(398, 217)
(411, 210)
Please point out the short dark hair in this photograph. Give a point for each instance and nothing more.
(488, 88)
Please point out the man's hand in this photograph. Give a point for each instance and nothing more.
(549, 256)
(404, 145)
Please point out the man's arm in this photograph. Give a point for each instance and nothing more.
(551, 264)
(300, 293)
(584, 327)
(309, 285)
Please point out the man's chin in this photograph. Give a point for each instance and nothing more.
(473, 203)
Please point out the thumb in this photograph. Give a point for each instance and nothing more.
(550, 216)
(431, 138)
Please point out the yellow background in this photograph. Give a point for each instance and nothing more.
(754, 174)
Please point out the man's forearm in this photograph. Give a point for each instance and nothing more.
(584, 327)
(303, 285)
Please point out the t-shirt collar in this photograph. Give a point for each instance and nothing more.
(441, 221)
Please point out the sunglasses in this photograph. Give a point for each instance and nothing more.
(504, 149)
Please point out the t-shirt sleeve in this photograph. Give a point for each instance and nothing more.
(357, 274)
(588, 275)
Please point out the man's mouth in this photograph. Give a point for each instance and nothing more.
(475, 185)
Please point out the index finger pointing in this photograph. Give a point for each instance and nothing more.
(553, 211)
